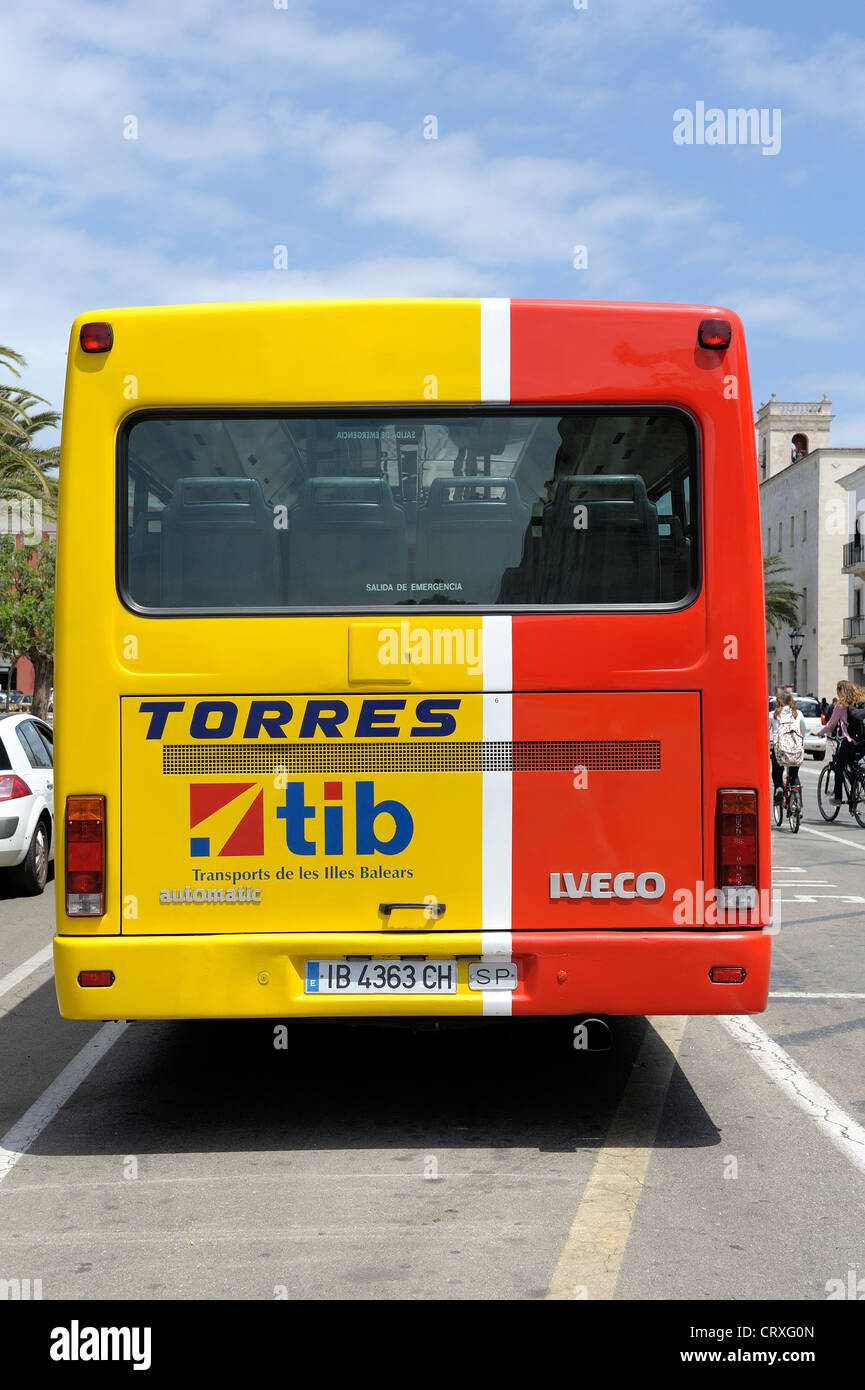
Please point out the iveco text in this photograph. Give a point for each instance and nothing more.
(607, 885)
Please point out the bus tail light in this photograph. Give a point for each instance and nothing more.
(736, 823)
(715, 333)
(85, 856)
(96, 337)
(727, 974)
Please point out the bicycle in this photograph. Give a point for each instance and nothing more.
(790, 802)
(854, 786)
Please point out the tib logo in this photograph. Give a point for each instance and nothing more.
(225, 819)
(383, 827)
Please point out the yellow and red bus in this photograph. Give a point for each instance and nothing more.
(410, 662)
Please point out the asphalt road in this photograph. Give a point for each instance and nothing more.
(198, 1161)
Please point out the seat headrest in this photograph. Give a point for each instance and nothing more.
(465, 498)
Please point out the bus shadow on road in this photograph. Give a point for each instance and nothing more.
(261, 1085)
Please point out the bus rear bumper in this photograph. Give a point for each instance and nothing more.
(262, 976)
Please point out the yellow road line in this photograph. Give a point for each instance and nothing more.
(591, 1258)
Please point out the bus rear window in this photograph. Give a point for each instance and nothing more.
(587, 508)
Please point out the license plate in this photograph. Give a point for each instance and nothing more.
(492, 975)
(380, 977)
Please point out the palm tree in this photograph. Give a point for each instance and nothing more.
(782, 600)
(22, 463)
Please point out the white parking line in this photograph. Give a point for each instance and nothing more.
(821, 898)
(26, 1131)
(804, 994)
(845, 1133)
(21, 972)
(839, 839)
(804, 883)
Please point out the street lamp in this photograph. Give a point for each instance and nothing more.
(797, 637)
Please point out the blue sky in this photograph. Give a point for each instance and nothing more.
(303, 127)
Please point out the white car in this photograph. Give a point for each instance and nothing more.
(809, 709)
(26, 801)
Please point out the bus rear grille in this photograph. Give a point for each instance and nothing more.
(298, 759)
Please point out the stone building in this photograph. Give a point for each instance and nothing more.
(854, 569)
(804, 513)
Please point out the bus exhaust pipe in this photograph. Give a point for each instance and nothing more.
(592, 1035)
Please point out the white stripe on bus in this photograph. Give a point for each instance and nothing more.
(496, 945)
(496, 350)
(497, 804)
(498, 662)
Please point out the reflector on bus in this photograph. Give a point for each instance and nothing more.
(96, 979)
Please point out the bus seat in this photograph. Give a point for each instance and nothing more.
(219, 545)
(613, 557)
(346, 533)
(470, 531)
(675, 558)
(145, 544)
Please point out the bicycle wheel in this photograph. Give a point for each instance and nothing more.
(857, 799)
(794, 812)
(778, 807)
(825, 785)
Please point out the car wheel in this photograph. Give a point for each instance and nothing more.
(31, 875)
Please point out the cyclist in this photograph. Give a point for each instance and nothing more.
(786, 719)
(852, 744)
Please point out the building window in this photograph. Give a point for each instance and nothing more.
(803, 610)
(792, 530)
(763, 458)
(768, 540)
(799, 447)
(804, 526)
(780, 537)
(803, 682)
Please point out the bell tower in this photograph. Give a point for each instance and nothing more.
(788, 430)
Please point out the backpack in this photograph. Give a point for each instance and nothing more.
(856, 721)
(789, 743)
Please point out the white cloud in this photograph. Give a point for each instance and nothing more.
(828, 84)
(261, 127)
(493, 210)
(215, 34)
(39, 305)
